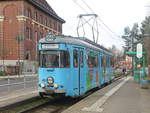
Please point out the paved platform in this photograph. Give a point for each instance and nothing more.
(122, 96)
(9, 98)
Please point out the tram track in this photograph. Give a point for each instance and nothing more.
(56, 106)
(51, 107)
(24, 105)
(47, 104)
(41, 105)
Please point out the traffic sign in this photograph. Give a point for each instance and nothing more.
(139, 49)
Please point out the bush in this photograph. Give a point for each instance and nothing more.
(117, 74)
(146, 78)
(2, 73)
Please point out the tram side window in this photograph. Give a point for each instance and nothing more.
(96, 61)
(92, 61)
(75, 58)
(104, 63)
(108, 63)
(81, 59)
(112, 61)
(64, 59)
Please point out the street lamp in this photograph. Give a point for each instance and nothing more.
(19, 39)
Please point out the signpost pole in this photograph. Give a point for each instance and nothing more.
(139, 55)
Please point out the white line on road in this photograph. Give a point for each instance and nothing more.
(96, 106)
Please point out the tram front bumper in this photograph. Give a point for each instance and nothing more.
(51, 91)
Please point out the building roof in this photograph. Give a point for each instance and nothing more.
(44, 6)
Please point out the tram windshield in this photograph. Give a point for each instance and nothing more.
(54, 59)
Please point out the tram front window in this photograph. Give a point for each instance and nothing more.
(54, 59)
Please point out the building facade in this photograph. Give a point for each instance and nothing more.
(22, 24)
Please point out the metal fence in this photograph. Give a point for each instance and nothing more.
(18, 78)
(18, 83)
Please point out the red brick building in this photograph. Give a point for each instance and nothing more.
(22, 24)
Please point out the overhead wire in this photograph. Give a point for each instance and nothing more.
(118, 37)
(79, 6)
(98, 17)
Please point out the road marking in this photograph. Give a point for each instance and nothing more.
(96, 106)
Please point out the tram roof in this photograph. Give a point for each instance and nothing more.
(82, 41)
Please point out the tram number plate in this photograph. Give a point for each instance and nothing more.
(49, 46)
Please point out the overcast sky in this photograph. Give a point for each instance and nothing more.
(116, 14)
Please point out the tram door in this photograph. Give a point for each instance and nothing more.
(78, 63)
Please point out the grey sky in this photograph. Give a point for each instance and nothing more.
(115, 13)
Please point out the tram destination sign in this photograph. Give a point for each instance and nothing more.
(50, 46)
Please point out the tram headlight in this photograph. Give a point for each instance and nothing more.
(50, 80)
(42, 85)
(55, 85)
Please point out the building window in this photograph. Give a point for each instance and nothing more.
(46, 21)
(29, 12)
(41, 19)
(36, 36)
(59, 28)
(28, 55)
(49, 23)
(36, 16)
(29, 33)
(40, 36)
(55, 26)
(36, 44)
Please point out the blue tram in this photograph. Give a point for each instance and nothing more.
(72, 65)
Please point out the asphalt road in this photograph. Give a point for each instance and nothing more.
(30, 82)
